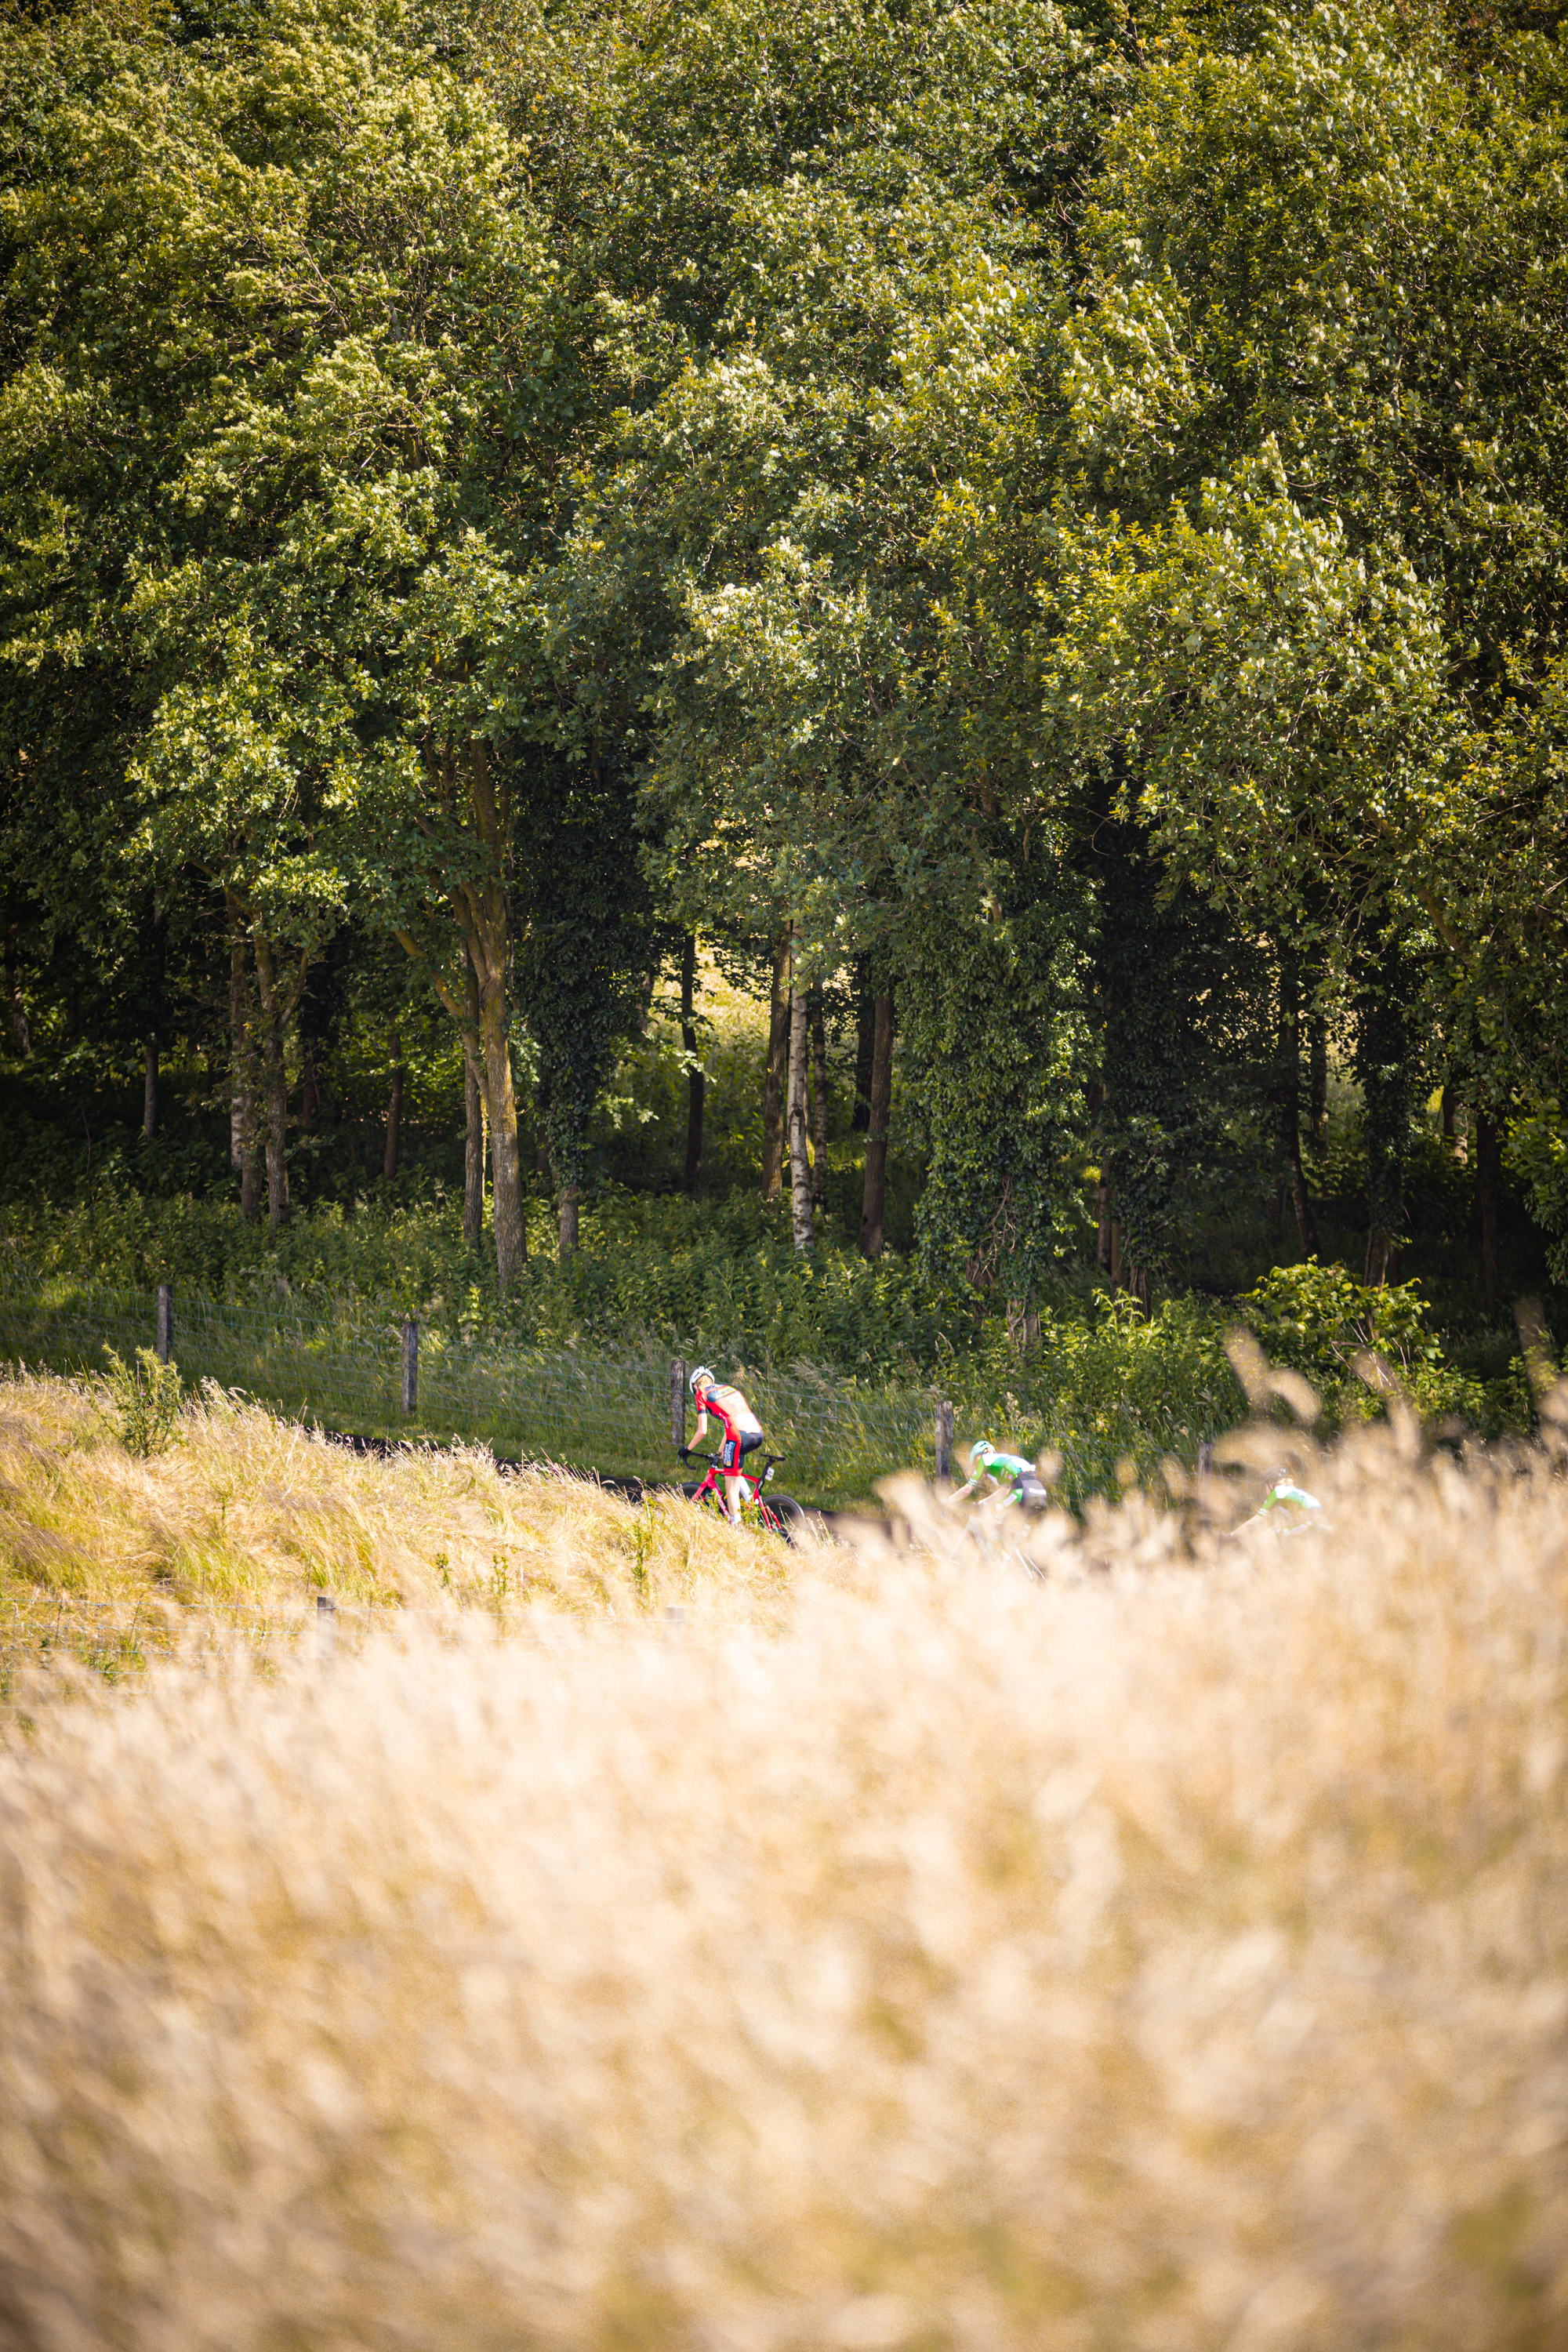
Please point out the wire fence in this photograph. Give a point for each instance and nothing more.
(383, 1376)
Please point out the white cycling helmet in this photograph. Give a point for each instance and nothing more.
(703, 1376)
(981, 1454)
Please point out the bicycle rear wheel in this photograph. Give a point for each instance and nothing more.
(783, 1515)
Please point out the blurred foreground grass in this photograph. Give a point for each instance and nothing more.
(1157, 1940)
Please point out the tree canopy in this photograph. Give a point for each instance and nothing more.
(1059, 514)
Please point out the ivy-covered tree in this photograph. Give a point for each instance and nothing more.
(995, 1012)
(1182, 1006)
(588, 949)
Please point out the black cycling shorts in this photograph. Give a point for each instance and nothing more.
(733, 1448)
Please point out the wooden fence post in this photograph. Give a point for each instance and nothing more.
(678, 1405)
(166, 1322)
(943, 1438)
(326, 1625)
(410, 1365)
(1204, 1484)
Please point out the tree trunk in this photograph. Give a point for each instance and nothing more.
(1023, 1326)
(1379, 1256)
(818, 1091)
(150, 1089)
(482, 910)
(865, 1051)
(242, 1100)
(251, 1169)
(1103, 1238)
(1489, 1161)
(1386, 1064)
(799, 1133)
(473, 1145)
(1317, 1079)
(276, 1075)
(1288, 1112)
(500, 1105)
(571, 1200)
(776, 1085)
(1455, 1124)
(394, 1109)
(874, 1194)
(696, 1082)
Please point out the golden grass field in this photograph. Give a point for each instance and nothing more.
(248, 1514)
(1167, 1951)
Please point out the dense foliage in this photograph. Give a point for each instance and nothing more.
(1050, 521)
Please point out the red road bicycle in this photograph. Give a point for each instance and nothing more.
(780, 1515)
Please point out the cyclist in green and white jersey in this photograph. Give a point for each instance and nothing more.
(1007, 1476)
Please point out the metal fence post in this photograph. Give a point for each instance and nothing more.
(166, 1322)
(678, 1405)
(943, 1438)
(410, 1365)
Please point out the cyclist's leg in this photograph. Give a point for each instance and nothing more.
(734, 1460)
(729, 1456)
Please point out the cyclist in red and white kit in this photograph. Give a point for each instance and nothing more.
(742, 1431)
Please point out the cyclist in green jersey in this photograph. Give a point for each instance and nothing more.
(1008, 1476)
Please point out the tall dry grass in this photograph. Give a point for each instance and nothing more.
(247, 1511)
(1170, 1953)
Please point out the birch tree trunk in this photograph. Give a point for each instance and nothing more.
(799, 1139)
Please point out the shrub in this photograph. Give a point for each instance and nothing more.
(1358, 1343)
(144, 1398)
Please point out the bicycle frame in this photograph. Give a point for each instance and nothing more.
(712, 1487)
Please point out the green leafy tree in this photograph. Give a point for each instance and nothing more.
(1313, 559)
